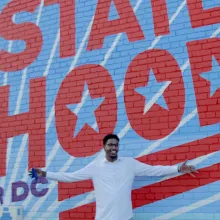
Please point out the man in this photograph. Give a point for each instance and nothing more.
(113, 177)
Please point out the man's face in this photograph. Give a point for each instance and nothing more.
(111, 148)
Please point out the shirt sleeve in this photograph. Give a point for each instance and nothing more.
(142, 169)
(82, 174)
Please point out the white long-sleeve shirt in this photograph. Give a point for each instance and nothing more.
(113, 184)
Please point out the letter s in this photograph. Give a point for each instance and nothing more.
(27, 31)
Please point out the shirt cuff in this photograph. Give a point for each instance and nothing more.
(50, 175)
(176, 169)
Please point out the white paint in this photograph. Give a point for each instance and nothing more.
(156, 97)
(50, 118)
(215, 33)
(81, 46)
(172, 19)
(39, 12)
(53, 153)
(110, 50)
(21, 91)
(52, 53)
(124, 130)
(79, 106)
(189, 208)
(120, 89)
(157, 143)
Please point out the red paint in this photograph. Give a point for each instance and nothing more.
(160, 17)
(201, 53)
(28, 32)
(100, 84)
(202, 17)
(102, 27)
(69, 190)
(32, 122)
(67, 26)
(83, 212)
(157, 122)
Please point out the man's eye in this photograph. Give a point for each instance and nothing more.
(111, 145)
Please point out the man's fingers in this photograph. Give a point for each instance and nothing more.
(184, 163)
(192, 175)
(193, 169)
(38, 171)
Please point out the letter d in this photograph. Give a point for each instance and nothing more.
(23, 196)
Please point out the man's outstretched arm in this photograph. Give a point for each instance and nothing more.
(141, 169)
(82, 174)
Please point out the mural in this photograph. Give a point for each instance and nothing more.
(14, 212)
(74, 71)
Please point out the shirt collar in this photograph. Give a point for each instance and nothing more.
(106, 161)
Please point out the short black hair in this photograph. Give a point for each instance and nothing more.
(110, 136)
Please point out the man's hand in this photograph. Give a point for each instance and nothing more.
(39, 172)
(188, 169)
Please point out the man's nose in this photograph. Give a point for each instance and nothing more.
(114, 147)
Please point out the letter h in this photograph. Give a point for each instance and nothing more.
(32, 122)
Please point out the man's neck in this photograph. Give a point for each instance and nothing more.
(111, 159)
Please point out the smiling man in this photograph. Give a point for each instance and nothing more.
(113, 177)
